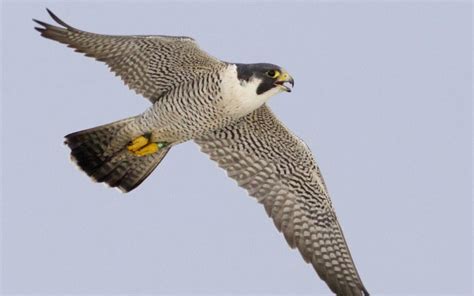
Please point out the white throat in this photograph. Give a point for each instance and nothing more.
(240, 97)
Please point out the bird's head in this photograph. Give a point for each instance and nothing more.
(269, 76)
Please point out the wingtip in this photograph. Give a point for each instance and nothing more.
(57, 19)
(41, 30)
(40, 22)
(51, 14)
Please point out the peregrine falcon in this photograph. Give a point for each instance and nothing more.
(222, 107)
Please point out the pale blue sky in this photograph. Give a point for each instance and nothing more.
(382, 97)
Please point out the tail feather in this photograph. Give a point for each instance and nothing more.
(121, 169)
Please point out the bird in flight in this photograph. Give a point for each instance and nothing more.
(222, 107)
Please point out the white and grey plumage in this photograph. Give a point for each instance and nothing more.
(221, 106)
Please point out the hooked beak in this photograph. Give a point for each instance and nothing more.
(284, 80)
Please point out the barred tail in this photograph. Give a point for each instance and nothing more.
(122, 169)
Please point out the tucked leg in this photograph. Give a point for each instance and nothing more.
(138, 144)
(148, 149)
(142, 146)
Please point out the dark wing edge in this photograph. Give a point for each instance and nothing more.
(278, 169)
(60, 34)
(81, 41)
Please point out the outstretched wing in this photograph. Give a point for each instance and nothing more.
(150, 65)
(279, 170)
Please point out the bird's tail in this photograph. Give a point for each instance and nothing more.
(90, 150)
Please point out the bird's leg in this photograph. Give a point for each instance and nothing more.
(148, 149)
(137, 144)
(141, 146)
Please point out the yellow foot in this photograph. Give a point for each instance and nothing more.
(141, 146)
(137, 144)
(148, 149)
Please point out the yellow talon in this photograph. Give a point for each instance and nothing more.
(137, 144)
(141, 146)
(148, 149)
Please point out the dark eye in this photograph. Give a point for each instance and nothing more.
(273, 73)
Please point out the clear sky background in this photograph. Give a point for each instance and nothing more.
(382, 97)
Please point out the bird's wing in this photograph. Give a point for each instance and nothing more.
(150, 65)
(279, 170)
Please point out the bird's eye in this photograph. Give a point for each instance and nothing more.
(273, 73)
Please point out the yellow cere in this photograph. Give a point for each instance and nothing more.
(284, 77)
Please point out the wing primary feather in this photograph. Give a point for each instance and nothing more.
(59, 21)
